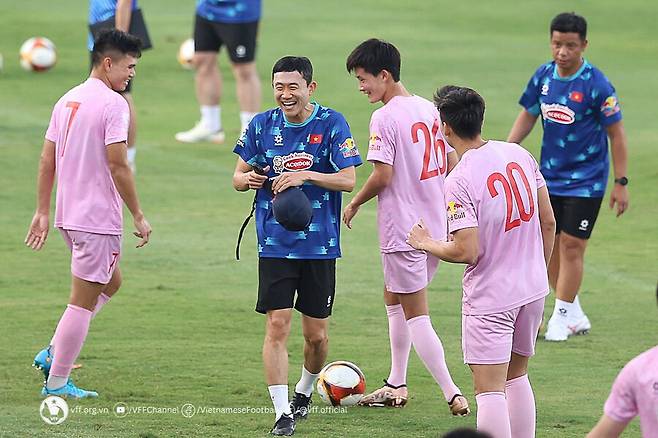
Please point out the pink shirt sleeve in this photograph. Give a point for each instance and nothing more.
(117, 119)
(621, 405)
(459, 205)
(539, 178)
(381, 146)
(51, 132)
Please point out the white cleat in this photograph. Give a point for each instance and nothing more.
(201, 134)
(581, 326)
(558, 330)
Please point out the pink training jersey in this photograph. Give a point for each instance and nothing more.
(84, 121)
(494, 188)
(406, 134)
(635, 392)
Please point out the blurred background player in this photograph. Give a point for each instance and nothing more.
(500, 216)
(85, 148)
(635, 392)
(235, 25)
(410, 163)
(121, 10)
(579, 107)
(300, 143)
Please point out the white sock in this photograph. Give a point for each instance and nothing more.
(306, 382)
(578, 311)
(211, 117)
(563, 308)
(131, 154)
(245, 118)
(279, 396)
(55, 382)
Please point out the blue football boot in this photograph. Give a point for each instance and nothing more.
(68, 390)
(43, 360)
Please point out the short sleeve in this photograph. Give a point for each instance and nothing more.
(344, 152)
(247, 145)
(117, 120)
(51, 132)
(621, 404)
(530, 97)
(539, 178)
(381, 145)
(460, 207)
(605, 102)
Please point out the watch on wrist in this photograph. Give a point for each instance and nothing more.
(621, 181)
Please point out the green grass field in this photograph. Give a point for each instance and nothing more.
(183, 330)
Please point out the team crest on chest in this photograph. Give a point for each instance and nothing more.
(558, 113)
(293, 162)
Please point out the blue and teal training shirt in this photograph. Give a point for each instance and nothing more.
(229, 11)
(101, 10)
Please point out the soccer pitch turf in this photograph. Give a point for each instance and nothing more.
(182, 329)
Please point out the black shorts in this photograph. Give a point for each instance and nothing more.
(313, 280)
(91, 67)
(575, 216)
(239, 38)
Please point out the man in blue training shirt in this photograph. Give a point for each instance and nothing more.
(298, 144)
(121, 10)
(579, 110)
(234, 24)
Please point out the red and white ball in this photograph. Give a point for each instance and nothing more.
(186, 54)
(38, 54)
(341, 383)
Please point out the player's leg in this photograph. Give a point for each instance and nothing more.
(492, 410)
(132, 127)
(108, 291)
(208, 84)
(578, 222)
(518, 390)
(554, 264)
(277, 281)
(240, 42)
(315, 300)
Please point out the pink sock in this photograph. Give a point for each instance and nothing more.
(102, 300)
(521, 406)
(70, 335)
(492, 416)
(398, 334)
(429, 349)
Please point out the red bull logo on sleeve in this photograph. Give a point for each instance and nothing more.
(374, 142)
(455, 211)
(348, 148)
(610, 106)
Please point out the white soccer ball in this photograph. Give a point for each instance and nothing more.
(186, 54)
(38, 54)
(341, 384)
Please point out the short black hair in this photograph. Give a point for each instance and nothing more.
(570, 22)
(466, 433)
(443, 92)
(463, 110)
(112, 41)
(373, 56)
(299, 64)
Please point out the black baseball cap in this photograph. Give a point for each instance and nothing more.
(292, 209)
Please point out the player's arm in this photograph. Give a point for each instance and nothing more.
(125, 183)
(341, 181)
(453, 159)
(607, 428)
(38, 231)
(378, 180)
(245, 178)
(522, 126)
(546, 222)
(464, 248)
(619, 149)
(123, 14)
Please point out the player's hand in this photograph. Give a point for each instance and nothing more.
(419, 235)
(287, 180)
(619, 196)
(255, 180)
(143, 230)
(38, 231)
(348, 214)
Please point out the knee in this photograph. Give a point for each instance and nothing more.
(114, 285)
(204, 64)
(572, 247)
(278, 328)
(245, 73)
(316, 340)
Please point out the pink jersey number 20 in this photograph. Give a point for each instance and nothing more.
(510, 186)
